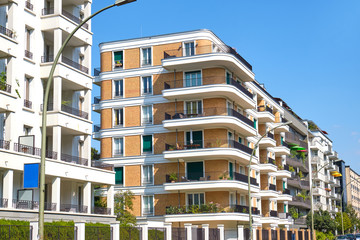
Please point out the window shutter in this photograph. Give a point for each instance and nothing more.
(147, 143)
(119, 175)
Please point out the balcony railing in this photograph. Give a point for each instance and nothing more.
(272, 187)
(47, 11)
(97, 100)
(210, 208)
(28, 5)
(206, 49)
(47, 58)
(270, 135)
(7, 32)
(4, 144)
(210, 176)
(5, 87)
(263, 108)
(74, 64)
(23, 204)
(269, 161)
(209, 143)
(28, 54)
(97, 128)
(206, 112)
(273, 213)
(74, 18)
(73, 208)
(3, 202)
(74, 111)
(284, 215)
(74, 159)
(286, 167)
(100, 165)
(34, 151)
(203, 81)
(286, 191)
(146, 120)
(27, 104)
(101, 210)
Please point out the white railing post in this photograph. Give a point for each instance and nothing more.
(80, 233)
(34, 224)
(240, 231)
(168, 230)
(188, 230)
(115, 230)
(144, 230)
(206, 231)
(222, 231)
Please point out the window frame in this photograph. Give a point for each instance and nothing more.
(113, 60)
(123, 173)
(142, 115)
(142, 144)
(193, 71)
(142, 56)
(143, 206)
(123, 118)
(114, 87)
(143, 175)
(184, 48)
(187, 198)
(123, 145)
(142, 85)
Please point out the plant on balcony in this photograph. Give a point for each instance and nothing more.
(224, 176)
(3, 81)
(118, 63)
(294, 213)
(291, 169)
(171, 147)
(301, 175)
(280, 167)
(303, 194)
(173, 177)
(328, 189)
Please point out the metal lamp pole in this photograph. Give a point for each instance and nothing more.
(249, 173)
(44, 114)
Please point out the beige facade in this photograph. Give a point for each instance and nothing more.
(353, 188)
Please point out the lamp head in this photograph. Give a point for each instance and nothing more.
(122, 2)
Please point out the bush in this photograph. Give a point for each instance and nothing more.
(130, 233)
(14, 229)
(59, 230)
(97, 231)
(155, 234)
(320, 236)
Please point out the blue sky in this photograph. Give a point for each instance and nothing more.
(306, 52)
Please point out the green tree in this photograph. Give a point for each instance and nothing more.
(95, 155)
(355, 221)
(347, 222)
(124, 207)
(294, 213)
(323, 221)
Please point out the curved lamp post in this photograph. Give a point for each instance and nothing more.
(44, 113)
(249, 172)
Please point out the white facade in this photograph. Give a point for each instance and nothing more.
(31, 33)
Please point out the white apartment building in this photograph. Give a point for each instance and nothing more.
(31, 33)
(325, 193)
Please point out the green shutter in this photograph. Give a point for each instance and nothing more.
(195, 170)
(147, 143)
(119, 175)
(283, 185)
(118, 56)
(282, 140)
(231, 170)
(255, 123)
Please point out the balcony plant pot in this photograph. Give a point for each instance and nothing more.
(173, 177)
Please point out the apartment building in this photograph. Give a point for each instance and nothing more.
(31, 33)
(353, 188)
(325, 172)
(299, 183)
(180, 114)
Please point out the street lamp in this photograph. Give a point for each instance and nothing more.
(44, 114)
(249, 172)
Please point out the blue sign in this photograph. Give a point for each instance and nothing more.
(31, 175)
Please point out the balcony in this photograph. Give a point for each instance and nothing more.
(273, 213)
(265, 114)
(27, 104)
(5, 87)
(209, 149)
(186, 89)
(101, 210)
(210, 181)
(97, 128)
(268, 165)
(97, 100)
(4, 144)
(28, 54)
(268, 141)
(7, 32)
(21, 148)
(300, 202)
(210, 117)
(74, 159)
(29, 6)
(67, 61)
(68, 15)
(74, 111)
(73, 208)
(282, 149)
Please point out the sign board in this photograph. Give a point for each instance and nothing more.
(31, 175)
(28, 140)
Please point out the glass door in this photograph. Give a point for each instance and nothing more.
(192, 79)
(194, 139)
(195, 170)
(193, 108)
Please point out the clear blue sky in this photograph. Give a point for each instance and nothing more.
(306, 52)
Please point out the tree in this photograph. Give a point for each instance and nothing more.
(124, 207)
(294, 213)
(355, 221)
(347, 222)
(322, 221)
(95, 155)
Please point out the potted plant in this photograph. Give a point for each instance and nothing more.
(280, 167)
(3, 81)
(291, 169)
(301, 175)
(118, 63)
(173, 177)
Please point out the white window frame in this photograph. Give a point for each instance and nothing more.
(195, 161)
(113, 60)
(187, 198)
(195, 70)
(195, 100)
(113, 87)
(142, 85)
(143, 175)
(184, 49)
(152, 142)
(123, 118)
(142, 56)
(203, 140)
(143, 205)
(142, 115)
(123, 146)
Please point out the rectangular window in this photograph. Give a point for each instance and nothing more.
(118, 59)
(146, 85)
(228, 77)
(189, 49)
(147, 144)
(192, 79)
(148, 205)
(119, 176)
(146, 115)
(242, 200)
(193, 108)
(146, 56)
(118, 88)
(147, 174)
(118, 117)
(118, 146)
(196, 199)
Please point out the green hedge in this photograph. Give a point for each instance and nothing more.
(14, 229)
(97, 231)
(59, 230)
(129, 233)
(156, 234)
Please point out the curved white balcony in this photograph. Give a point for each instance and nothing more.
(268, 166)
(281, 150)
(267, 141)
(282, 174)
(265, 114)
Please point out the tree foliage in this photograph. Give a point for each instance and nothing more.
(354, 220)
(124, 207)
(323, 221)
(95, 155)
(347, 222)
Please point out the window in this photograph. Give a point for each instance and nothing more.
(118, 146)
(27, 130)
(118, 117)
(146, 85)
(148, 205)
(192, 79)
(147, 144)
(242, 200)
(118, 88)
(147, 174)
(194, 139)
(28, 33)
(147, 114)
(228, 78)
(2, 126)
(119, 176)
(146, 56)
(189, 49)
(27, 84)
(196, 199)
(193, 108)
(118, 59)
